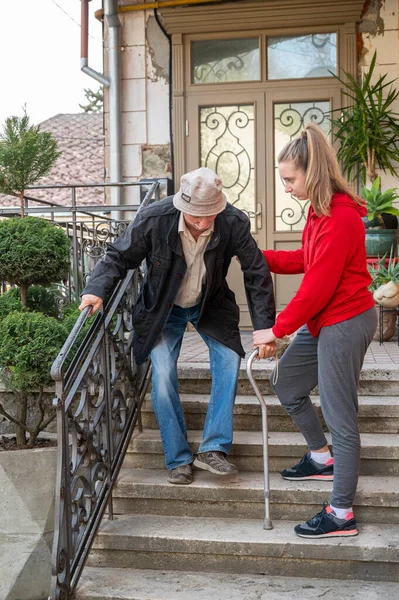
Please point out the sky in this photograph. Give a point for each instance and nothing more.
(40, 57)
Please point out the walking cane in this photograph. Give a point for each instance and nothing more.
(266, 483)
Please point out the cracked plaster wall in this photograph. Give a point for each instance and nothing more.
(145, 101)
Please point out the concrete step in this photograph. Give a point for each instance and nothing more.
(146, 491)
(379, 454)
(243, 546)
(131, 584)
(195, 378)
(377, 414)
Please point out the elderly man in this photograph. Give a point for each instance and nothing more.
(188, 241)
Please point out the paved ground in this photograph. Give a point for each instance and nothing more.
(194, 350)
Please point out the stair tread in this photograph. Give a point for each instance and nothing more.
(390, 403)
(251, 399)
(378, 372)
(279, 438)
(137, 481)
(243, 536)
(105, 583)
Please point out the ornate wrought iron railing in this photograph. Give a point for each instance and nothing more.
(90, 227)
(99, 393)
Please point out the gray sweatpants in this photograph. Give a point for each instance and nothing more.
(333, 360)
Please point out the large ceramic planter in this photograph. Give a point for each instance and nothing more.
(380, 241)
(27, 480)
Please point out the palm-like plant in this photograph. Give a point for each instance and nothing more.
(384, 272)
(368, 127)
(379, 203)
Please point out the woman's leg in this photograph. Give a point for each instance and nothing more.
(341, 351)
(297, 376)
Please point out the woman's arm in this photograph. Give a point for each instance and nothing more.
(285, 262)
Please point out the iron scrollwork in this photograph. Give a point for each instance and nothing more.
(99, 393)
(227, 133)
(290, 121)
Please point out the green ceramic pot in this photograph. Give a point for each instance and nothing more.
(380, 242)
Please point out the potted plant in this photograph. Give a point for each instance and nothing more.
(381, 222)
(368, 126)
(368, 131)
(385, 289)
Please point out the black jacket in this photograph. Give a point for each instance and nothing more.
(153, 235)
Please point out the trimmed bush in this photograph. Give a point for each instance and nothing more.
(40, 299)
(29, 344)
(33, 251)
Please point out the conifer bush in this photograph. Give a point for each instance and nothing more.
(30, 342)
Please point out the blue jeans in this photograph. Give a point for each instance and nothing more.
(224, 366)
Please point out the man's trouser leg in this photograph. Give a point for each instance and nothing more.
(218, 428)
(165, 397)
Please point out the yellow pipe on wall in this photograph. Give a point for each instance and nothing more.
(149, 5)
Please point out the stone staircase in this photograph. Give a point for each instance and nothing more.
(206, 540)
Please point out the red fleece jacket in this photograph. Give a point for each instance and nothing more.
(333, 258)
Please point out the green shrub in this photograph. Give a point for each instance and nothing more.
(29, 344)
(10, 302)
(40, 299)
(33, 251)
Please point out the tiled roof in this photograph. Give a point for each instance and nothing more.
(80, 138)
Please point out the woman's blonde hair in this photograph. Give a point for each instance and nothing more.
(312, 153)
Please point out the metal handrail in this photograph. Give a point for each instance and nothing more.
(267, 524)
(99, 394)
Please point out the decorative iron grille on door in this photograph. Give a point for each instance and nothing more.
(289, 120)
(227, 144)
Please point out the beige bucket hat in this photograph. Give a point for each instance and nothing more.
(201, 194)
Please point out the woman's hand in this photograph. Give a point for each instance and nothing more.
(91, 300)
(263, 336)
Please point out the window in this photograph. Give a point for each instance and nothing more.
(301, 57)
(221, 61)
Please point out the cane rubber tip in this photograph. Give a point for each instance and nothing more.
(267, 525)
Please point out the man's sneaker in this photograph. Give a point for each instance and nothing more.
(181, 475)
(309, 469)
(215, 462)
(326, 524)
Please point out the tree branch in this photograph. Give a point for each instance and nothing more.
(12, 419)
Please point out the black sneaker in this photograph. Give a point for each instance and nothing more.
(215, 462)
(309, 469)
(326, 524)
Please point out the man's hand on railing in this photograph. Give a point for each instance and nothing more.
(90, 300)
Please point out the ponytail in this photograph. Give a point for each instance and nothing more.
(312, 153)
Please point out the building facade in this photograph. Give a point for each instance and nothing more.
(227, 84)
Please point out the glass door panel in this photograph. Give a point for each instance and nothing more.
(224, 136)
(289, 120)
(227, 146)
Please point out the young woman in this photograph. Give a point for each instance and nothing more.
(336, 318)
